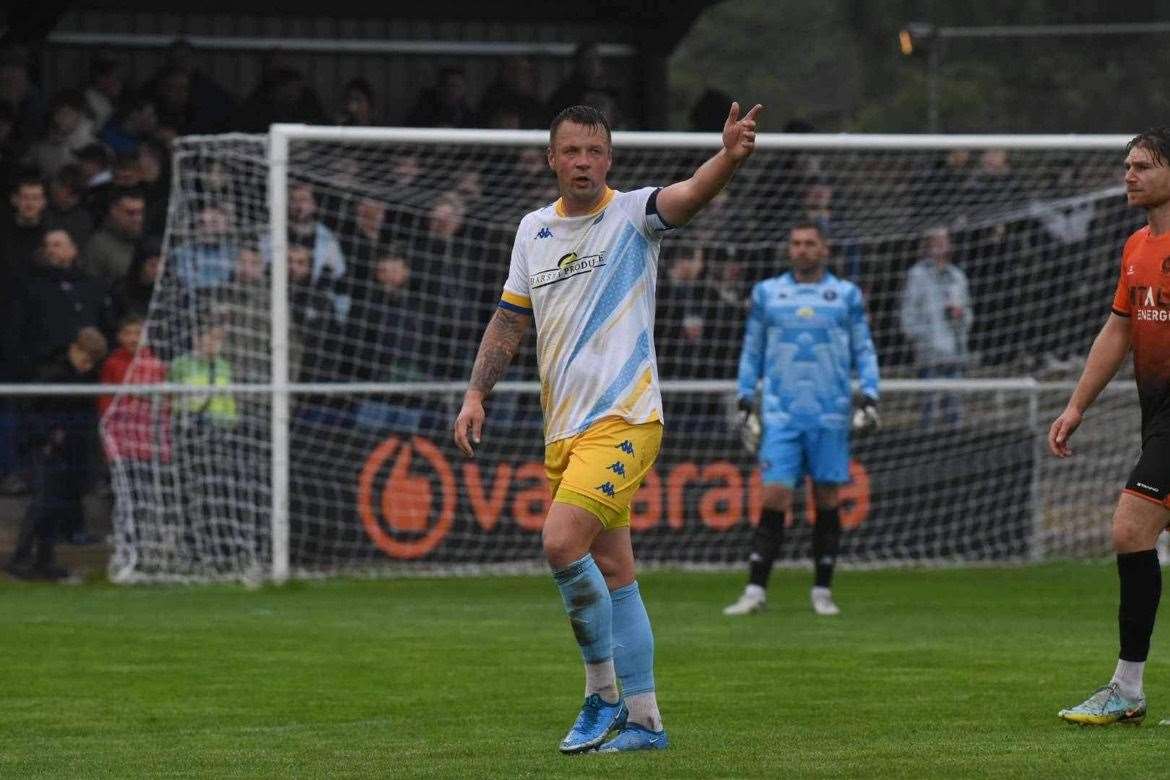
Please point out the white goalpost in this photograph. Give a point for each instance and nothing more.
(324, 290)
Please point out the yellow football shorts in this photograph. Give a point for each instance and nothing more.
(601, 468)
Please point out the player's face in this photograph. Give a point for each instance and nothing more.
(806, 250)
(580, 156)
(1147, 180)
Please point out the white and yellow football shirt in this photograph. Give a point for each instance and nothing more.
(589, 284)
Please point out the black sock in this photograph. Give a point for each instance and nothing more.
(765, 546)
(826, 539)
(1141, 589)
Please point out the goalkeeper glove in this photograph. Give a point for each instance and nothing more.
(865, 414)
(748, 421)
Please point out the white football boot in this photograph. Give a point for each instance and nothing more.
(751, 601)
(822, 602)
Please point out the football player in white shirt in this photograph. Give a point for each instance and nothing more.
(584, 269)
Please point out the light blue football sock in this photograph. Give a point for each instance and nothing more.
(591, 613)
(633, 641)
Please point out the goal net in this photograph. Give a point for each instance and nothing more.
(324, 291)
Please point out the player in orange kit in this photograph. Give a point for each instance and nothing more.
(1140, 320)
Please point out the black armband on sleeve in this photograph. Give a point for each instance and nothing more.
(653, 218)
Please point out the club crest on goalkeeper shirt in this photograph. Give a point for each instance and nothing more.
(589, 287)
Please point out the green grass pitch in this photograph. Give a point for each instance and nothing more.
(927, 673)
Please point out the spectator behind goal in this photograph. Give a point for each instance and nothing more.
(59, 431)
(133, 423)
(110, 250)
(936, 319)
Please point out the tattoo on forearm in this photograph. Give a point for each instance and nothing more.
(497, 348)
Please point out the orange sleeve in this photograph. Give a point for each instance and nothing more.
(1121, 294)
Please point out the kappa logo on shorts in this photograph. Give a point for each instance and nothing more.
(618, 468)
(607, 488)
(626, 447)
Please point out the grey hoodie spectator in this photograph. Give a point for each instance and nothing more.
(936, 319)
(936, 306)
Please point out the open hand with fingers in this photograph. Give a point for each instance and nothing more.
(469, 425)
(1062, 428)
(739, 135)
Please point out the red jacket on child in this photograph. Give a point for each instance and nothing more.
(134, 427)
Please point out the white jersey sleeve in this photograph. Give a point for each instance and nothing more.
(642, 210)
(517, 295)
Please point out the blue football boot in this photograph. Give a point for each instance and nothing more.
(596, 719)
(635, 737)
(1104, 707)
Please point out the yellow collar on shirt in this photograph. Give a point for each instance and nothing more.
(605, 199)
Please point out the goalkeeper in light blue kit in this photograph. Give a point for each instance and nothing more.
(806, 333)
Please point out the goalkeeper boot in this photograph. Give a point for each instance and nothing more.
(596, 719)
(751, 601)
(635, 737)
(1104, 707)
(822, 602)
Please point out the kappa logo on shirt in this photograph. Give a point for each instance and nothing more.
(1166, 265)
(544, 233)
